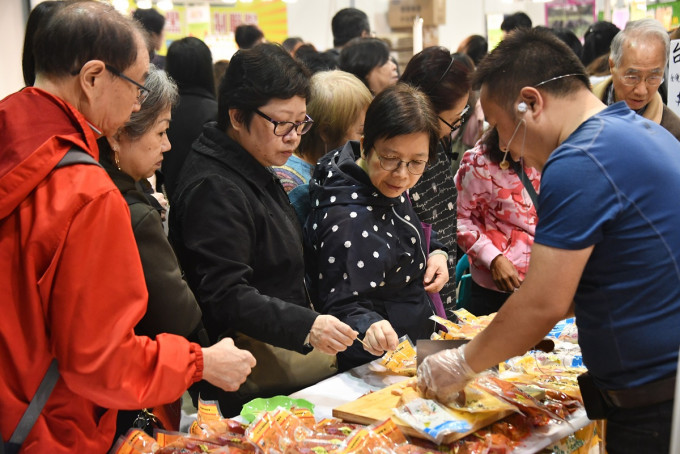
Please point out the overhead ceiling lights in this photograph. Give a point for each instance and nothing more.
(121, 6)
(144, 4)
(165, 5)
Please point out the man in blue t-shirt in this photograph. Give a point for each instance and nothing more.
(607, 244)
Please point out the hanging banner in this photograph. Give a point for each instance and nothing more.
(574, 15)
(215, 23)
(674, 77)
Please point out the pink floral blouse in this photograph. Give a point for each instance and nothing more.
(495, 215)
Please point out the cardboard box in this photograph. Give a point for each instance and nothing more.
(401, 13)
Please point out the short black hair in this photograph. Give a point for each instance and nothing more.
(434, 71)
(83, 31)
(254, 77)
(527, 57)
(361, 55)
(314, 60)
(151, 20)
(474, 46)
(36, 20)
(400, 110)
(290, 43)
(348, 23)
(247, 35)
(515, 21)
(570, 39)
(189, 63)
(597, 40)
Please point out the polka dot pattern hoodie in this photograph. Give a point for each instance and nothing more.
(365, 253)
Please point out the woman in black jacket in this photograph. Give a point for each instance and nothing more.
(237, 236)
(129, 157)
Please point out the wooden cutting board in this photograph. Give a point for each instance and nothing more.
(377, 406)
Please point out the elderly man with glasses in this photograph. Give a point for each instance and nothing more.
(73, 287)
(639, 54)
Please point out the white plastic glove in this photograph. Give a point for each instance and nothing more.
(443, 375)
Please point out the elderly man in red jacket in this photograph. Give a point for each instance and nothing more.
(72, 282)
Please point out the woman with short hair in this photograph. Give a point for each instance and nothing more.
(131, 155)
(367, 249)
(238, 237)
(369, 60)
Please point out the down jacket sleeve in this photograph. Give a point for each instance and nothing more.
(92, 318)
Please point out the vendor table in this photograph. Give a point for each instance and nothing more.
(349, 386)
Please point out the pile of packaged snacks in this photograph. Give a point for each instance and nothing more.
(295, 430)
(281, 431)
(486, 394)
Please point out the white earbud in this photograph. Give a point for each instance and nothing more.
(522, 107)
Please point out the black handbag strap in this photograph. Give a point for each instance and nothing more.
(519, 169)
(33, 410)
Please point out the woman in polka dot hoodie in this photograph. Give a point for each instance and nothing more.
(364, 243)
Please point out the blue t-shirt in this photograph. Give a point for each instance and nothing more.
(615, 184)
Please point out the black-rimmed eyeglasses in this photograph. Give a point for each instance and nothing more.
(142, 91)
(458, 123)
(283, 128)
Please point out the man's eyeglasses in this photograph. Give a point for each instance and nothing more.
(283, 128)
(458, 123)
(633, 79)
(416, 167)
(142, 91)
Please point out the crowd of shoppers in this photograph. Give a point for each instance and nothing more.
(556, 204)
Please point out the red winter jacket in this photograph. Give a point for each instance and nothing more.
(72, 287)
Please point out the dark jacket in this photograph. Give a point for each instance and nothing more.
(197, 106)
(434, 200)
(655, 111)
(172, 307)
(368, 253)
(240, 244)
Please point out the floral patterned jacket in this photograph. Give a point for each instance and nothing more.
(495, 215)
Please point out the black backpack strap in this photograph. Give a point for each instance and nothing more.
(519, 169)
(73, 156)
(76, 156)
(33, 410)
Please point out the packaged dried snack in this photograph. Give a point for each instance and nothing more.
(475, 400)
(507, 391)
(135, 441)
(336, 427)
(403, 359)
(431, 419)
(365, 440)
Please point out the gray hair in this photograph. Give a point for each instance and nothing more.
(162, 94)
(645, 29)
